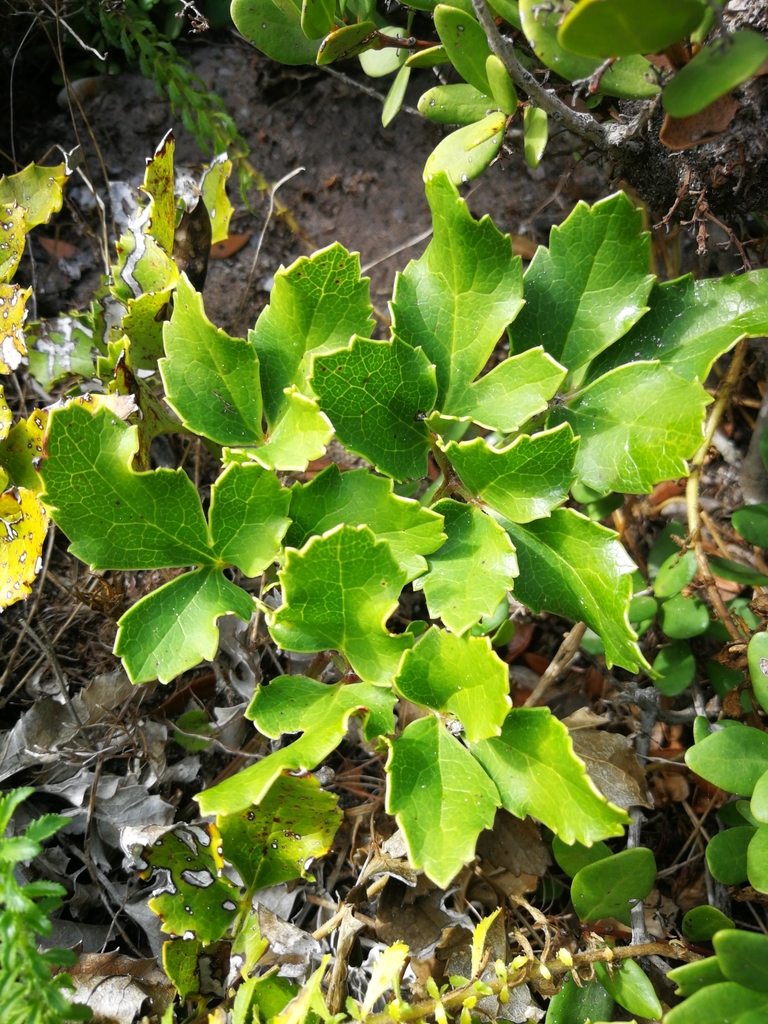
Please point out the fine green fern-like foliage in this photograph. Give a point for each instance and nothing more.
(29, 994)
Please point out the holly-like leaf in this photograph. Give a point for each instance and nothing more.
(248, 517)
(277, 840)
(523, 481)
(455, 301)
(300, 434)
(12, 238)
(144, 321)
(211, 380)
(316, 305)
(377, 395)
(38, 189)
(512, 392)
(537, 773)
(158, 185)
(23, 526)
(591, 284)
(460, 676)
(574, 567)
(338, 593)
(174, 628)
(691, 323)
(13, 313)
(297, 704)
(630, 454)
(214, 194)
(180, 964)
(22, 449)
(471, 573)
(196, 900)
(441, 797)
(358, 498)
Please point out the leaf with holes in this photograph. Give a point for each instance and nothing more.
(40, 190)
(23, 526)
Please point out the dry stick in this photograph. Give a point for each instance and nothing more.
(648, 718)
(692, 491)
(567, 651)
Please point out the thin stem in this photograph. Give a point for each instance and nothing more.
(567, 651)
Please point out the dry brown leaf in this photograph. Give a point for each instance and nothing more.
(613, 766)
(687, 132)
(118, 989)
(522, 246)
(514, 845)
(57, 249)
(231, 245)
(420, 924)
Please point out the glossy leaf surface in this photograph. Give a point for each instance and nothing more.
(714, 71)
(464, 154)
(611, 887)
(276, 31)
(465, 45)
(732, 759)
(616, 28)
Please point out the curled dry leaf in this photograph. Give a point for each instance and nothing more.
(612, 764)
(230, 245)
(688, 132)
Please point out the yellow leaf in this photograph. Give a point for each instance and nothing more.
(23, 525)
(478, 940)
(12, 316)
(385, 973)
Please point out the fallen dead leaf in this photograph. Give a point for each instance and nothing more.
(522, 246)
(231, 245)
(513, 844)
(56, 248)
(613, 765)
(687, 132)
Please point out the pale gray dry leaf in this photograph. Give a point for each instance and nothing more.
(513, 844)
(289, 946)
(613, 766)
(419, 924)
(112, 1000)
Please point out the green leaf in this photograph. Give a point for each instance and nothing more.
(248, 517)
(590, 286)
(429, 58)
(465, 44)
(674, 573)
(297, 704)
(277, 840)
(338, 593)
(60, 348)
(440, 796)
(276, 31)
(517, 389)
(727, 854)
(459, 676)
(727, 569)
(573, 567)
(751, 522)
(757, 657)
(158, 185)
(732, 759)
(631, 78)
(502, 89)
(214, 195)
(676, 668)
(717, 1004)
(576, 856)
(38, 189)
(316, 304)
(346, 42)
(535, 135)
(395, 96)
(174, 628)
(199, 724)
(617, 28)
(631, 454)
(115, 517)
(317, 17)
(473, 570)
(377, 63)
(574, 1004)
(714, 71)
(211, 380)
(701, 923)
(523, 481)
(537, 773)
(197, 901)
(757, 863)
(455, 301)
(455, 104)
(629, 985)
(683, 617)
(358, 498)
(377, 395)
(300, 434)
(464, 154)
(143, 323)
(691, 323)
(743, 957)
(611, 887)
(759, 803)
(689, 978)
(180, 964)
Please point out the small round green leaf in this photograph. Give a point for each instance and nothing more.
(274, 31)
(502, 90)
(377, 63)
(197, 722)
(617, 28)
(631, 988)
(691, 978)
(466, 153)
(664, 546)
(732, 758)
(743, 958)
(727, 854)
(727, 569)
(676, 667)
(317, 17)
(465, 43)
(701, 923)
(752, 523)
(675, 572)
(455, 104)
(759, 804)
(757, 860)
(683, 617)
(576, 1003)
(611, 887)
(642, 608)
(757, 658)
(347, 42)
(535, 134)
(576, 856)
(714, 71)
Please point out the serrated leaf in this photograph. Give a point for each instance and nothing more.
(465, 45)
(38, 189)
(377, 395)
(144, 321)
(158, 185)
(308, 1001)
(473, 570)
(617, 28)
(211, 380)
(454, 104)
(523, 481)
(60, 347)
(537, 773)
(297, 704)
(573, 567)
(517, 389)
(714, 71)
(358, 498)
(142, 265)
(691, 323)
(23, 447)
(631, 454)
(591, 284)
(464, 154)
(277, 840)
(459, 676)
(441, 797)
(23, 526)
(248, 517)
(276, 31)
(174, 628)
(338, 593)
(197, 901)
(300, 434)
(317, 304)
(455, 301)
(13, 313)
(12, 238)
(214, 195)
(180, 964)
